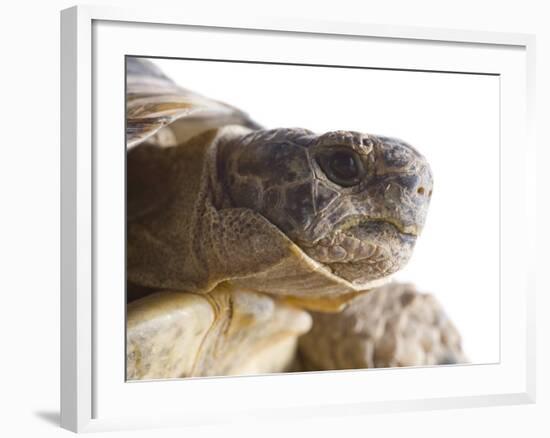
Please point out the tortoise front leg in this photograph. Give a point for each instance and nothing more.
(391, 326)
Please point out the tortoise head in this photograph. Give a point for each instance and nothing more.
(354, 202)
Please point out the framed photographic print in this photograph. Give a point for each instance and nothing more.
(256, 208)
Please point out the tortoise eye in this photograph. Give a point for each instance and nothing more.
(343, 167)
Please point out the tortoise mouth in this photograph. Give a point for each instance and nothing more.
(363, 252)
(371, 222)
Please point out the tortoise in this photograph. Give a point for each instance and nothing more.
(238, 236)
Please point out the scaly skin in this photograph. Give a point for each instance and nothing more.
(392, 326)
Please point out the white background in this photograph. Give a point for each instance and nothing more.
(29, 222)
(451, 118)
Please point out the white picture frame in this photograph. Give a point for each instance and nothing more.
(93, 395)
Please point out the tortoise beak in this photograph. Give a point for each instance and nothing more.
(403, 186)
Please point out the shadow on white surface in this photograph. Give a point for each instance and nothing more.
(51, 417)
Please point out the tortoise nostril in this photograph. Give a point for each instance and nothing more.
(421, 190)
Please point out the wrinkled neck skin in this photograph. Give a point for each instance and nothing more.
(185, 236)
